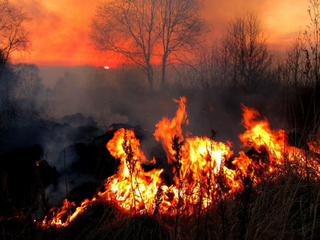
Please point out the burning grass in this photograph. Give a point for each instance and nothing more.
(283, 207)
(270, 191)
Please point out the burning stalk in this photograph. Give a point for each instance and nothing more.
(131, 164)
(208, 188)
(176, 146)
(158, 200)
(221, 192)
(245, 197)
(207, 183)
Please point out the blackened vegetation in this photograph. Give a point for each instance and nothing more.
(297, 140)
(74, 151)
(176, 146)
(131, 164)
(158, 199)
(86, 190)
(24, 177)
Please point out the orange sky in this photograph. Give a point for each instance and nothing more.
(59, 28)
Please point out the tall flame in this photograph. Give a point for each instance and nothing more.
(166, 129)
(131, 187)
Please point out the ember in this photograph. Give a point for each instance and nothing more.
(205, 171)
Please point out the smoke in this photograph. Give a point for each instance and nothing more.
(122, 96)
(82, 102)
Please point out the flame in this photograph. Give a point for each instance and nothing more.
(204, 170)
(131, 187)
(61, 217)
(258, 134)
(166, 129)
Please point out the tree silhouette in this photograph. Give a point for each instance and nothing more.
(29, 81)
(147, 32)
(13, 34)
(245, 50)
(180, 26)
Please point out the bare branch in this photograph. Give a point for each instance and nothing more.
(13, 35)
(146, 31)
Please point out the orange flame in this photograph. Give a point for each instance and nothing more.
(166, 129)
(204, 170)
(131, 187)
(63, 216)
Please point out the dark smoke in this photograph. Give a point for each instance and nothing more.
(83, 102)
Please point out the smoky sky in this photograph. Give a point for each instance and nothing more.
(59, 28)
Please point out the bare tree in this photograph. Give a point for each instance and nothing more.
(13, 34)
(293, 74)
(312, 49)
(301, 74)
(312, 37)
(245, 50)
(204, 67)
(146, 32)
(29, 82)
(180, 27)
(128, 28)
(297, 64)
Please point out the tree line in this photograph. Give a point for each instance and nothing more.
(171, 32)
(153, 35)
(162, 33)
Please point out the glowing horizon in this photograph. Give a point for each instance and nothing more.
(60, 35)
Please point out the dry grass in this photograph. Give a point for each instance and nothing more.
(283, 207)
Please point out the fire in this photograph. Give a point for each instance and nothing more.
(259, 135)
(131, 187)
(204, 170)
(166, 129)
(63, 216)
